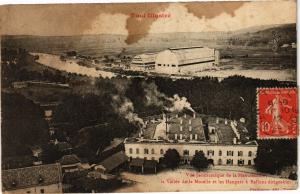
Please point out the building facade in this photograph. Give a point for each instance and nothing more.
(186, 60)
(223, 141)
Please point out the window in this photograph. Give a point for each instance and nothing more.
(152, 158)
(229, 153)
(28, 192)
(42, 191)
(220, 162)
(145, 158)
(229, 162)
(158, 64)
(152, 151)
(161, 151)
(240, 162)
(210, 153)
(185, 152)
(220, 153)
(146, 151)
(249, 162)
(240, 153)
(173, 65)
(137, 151)
(130, 150)
(249, 153)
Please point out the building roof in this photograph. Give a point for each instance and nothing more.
(115, 143)
(138, 162)
(114, 161)
(144, 58)
(150, 163)
(31, 176)
(69, 159)
(17, 162)
(174, 127)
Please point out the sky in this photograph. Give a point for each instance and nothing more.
(78, 19)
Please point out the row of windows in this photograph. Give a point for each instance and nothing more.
(168, 65)
(186, 152)
(230, 162)
(146, 151)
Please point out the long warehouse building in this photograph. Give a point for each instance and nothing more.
(186, 60)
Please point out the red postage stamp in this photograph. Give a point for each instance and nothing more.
(277, 113)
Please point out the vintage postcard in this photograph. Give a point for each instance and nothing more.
(149, 97)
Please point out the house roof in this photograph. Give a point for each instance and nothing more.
(69, 159)
(115, 143)
(137, 162)
(150, 164)
(114, 161)
(31, 176)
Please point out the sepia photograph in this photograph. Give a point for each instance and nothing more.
(149, 97)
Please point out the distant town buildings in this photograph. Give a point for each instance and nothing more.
(223, 141)
(34, 179)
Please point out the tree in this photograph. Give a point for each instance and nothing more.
(171, 158)
(199, 161)
(23, 125)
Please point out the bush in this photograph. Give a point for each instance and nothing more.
(199, 161)
(171, 158)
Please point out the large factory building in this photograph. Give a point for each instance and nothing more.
(186, 60)
(143, 62)
(223, 141)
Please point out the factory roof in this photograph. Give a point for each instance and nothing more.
(144, 58)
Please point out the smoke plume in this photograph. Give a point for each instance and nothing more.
(157, 98)
(124, 107)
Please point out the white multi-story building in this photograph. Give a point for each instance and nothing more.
(186, 60)
(224, 142)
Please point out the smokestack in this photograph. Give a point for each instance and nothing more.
(234, 140)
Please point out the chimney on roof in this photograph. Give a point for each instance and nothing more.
(234, 140)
